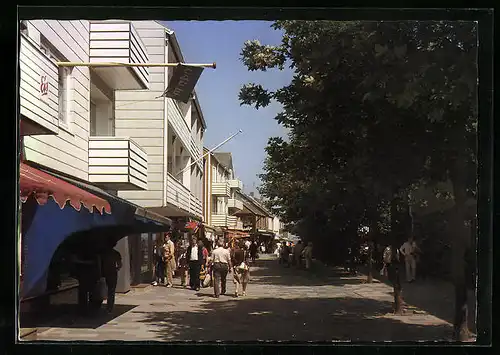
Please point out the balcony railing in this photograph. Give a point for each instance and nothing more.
(235, 203)
(118, 41)
(180, 196)
(117, 163)
(38, 90)
(221, 189)
(182, 130)
(234, 222)
(219, 220)
(236, 184)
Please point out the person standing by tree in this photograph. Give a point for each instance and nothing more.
(221, 259)
(409, 250)
(308, 255)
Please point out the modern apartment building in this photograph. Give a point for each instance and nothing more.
(104, 136)
(170, 132)
(221, 187)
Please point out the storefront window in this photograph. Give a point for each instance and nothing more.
(144, 253)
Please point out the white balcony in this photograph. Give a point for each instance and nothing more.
(118, 41)
(38, 90)
(235, 204)
(182, 130)
(220, 189)
(117, 163)
(236, 184)
(219, 220)
(196, 206)
(234, 222)
(180, 196)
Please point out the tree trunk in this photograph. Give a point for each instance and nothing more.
(369, 278)
(460, 244)
(394, 269)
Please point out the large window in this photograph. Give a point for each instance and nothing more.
(64, 80)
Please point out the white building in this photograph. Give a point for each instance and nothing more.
(106, 126)
(170, 132)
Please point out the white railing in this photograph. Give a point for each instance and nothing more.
(118, 163)
(178, 194)
(181, 129)
(236, 184)
(196, 206)
(118, 41)
(219, 220)
(38, 86)
(220, 189)
(235, 203)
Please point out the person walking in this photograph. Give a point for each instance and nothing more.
(182, 264)
(87, 273)
(169, 259)
(308, 255)
(111, 263)
(253, 251)
(409, 250)
(240, 272)
(221, 259)
(159, 261)
(297, 253)
(194, 255)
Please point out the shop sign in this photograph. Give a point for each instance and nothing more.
(44, 86)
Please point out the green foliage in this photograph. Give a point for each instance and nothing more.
(373, 109)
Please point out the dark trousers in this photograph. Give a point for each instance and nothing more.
(111, 281)
(220, 276)
(160, 271)
(194, 274)
(86, 297)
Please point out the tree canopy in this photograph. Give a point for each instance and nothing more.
(373, 109)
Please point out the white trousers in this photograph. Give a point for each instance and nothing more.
(411, 268)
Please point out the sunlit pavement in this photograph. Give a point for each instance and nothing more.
(281, 304)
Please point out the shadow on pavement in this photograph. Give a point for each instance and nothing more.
(436, 297)
(66, 316)
(306, 319)
(272, 273)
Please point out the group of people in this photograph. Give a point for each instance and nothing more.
(201, 265)
(297, 255)
(410, 252)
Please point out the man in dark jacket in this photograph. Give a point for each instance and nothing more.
(111, 263)
(194, 255)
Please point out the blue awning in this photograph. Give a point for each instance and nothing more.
(46, 227)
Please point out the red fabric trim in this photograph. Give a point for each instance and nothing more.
(42, 186)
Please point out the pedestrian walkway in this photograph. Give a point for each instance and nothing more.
(282, 304)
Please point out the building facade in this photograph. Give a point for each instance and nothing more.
(106, 129)
(220, 203)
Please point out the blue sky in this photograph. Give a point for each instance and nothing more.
(217, 90)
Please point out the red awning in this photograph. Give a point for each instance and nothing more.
(43, 186)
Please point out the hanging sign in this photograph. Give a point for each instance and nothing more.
(182, 82)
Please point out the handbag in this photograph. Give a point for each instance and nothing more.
(203, 273)
(207, 281)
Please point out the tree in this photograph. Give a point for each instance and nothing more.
(374, 109)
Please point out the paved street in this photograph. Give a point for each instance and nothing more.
(282, 304)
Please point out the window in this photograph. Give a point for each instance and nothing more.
(64, 79)
(93, 119)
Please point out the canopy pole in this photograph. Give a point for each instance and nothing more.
(115, 64)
